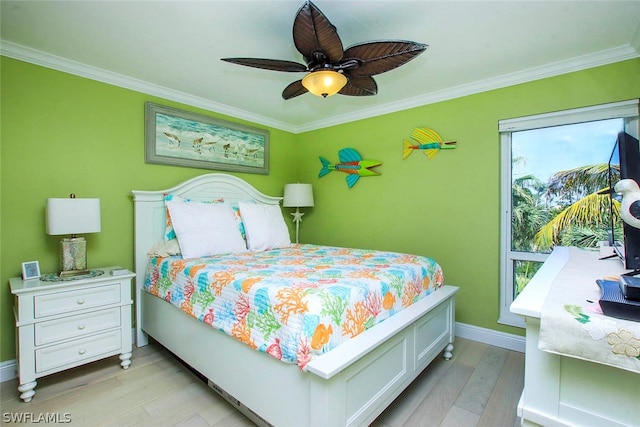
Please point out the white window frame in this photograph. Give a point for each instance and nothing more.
(629, 110)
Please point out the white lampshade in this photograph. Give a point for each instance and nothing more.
(324, 82)
(73, 216)
(298, 196)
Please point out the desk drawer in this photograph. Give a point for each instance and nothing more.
(76, 326)
(74, 352)
(77, 299)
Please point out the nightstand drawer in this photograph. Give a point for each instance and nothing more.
(77, 299)
(73, 352)
(76, 326)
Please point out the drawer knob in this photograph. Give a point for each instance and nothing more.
(81, 326)
(80, 301)
(82, 350)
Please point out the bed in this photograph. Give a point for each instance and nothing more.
(349, 385)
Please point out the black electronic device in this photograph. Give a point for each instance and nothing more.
(630, 287)
(614, 304)
(624, 163)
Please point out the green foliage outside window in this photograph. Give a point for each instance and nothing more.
(569, 210)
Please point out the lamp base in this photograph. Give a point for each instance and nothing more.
(297, 218)
(73, 257)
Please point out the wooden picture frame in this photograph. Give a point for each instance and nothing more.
(30, 270)
(181, 138)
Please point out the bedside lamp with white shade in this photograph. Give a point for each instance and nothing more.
(297, 196)
(71, 217)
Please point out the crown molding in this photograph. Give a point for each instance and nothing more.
(37, 57)
(605, 57)
(621, 53)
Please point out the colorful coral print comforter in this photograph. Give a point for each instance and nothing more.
(296, 302)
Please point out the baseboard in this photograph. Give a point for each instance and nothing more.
(8, 369)
(491, 337)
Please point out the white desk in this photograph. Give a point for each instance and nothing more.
(565, 391)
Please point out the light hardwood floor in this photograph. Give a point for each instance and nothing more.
(479, 386)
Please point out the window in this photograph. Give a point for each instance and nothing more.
(534, 197)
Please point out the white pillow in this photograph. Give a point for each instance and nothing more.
(205, 229)
(169, 233)
(264, 226)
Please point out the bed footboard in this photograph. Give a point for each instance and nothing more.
(349, 386)
(360, 392)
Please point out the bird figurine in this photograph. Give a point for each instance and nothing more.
(630, 206)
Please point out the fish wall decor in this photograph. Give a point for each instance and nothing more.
(352, 164)
(428, 141)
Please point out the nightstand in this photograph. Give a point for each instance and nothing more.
(64, 324)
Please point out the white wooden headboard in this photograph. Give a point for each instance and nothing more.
(149, 211)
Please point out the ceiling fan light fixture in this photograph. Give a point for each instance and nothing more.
(324, 82)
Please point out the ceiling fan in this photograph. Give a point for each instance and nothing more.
(332, 69)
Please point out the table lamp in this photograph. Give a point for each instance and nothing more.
(297, 196)
(72, 217)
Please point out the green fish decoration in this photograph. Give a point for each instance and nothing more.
(352, 164)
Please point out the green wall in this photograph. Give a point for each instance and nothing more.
(449, 207)
(61, 134)
(64, 134)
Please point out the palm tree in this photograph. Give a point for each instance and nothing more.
(583, 221)
(528, 213)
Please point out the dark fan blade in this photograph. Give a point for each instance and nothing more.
(268, 64)
(378, 57)
(293, 90)
(312, 32)
(360, 86)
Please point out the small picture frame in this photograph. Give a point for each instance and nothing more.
(30, 270)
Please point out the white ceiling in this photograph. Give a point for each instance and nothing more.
(173, 48)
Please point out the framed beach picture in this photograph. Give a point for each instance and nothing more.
(30, 270)
(180, 138)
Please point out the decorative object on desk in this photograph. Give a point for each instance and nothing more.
(630, 207)
(73, 216)
(119, 271)
(429, 141)
(352, 164)
(297, 196)
(30, 270)
(181, 138)
(55, 277)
